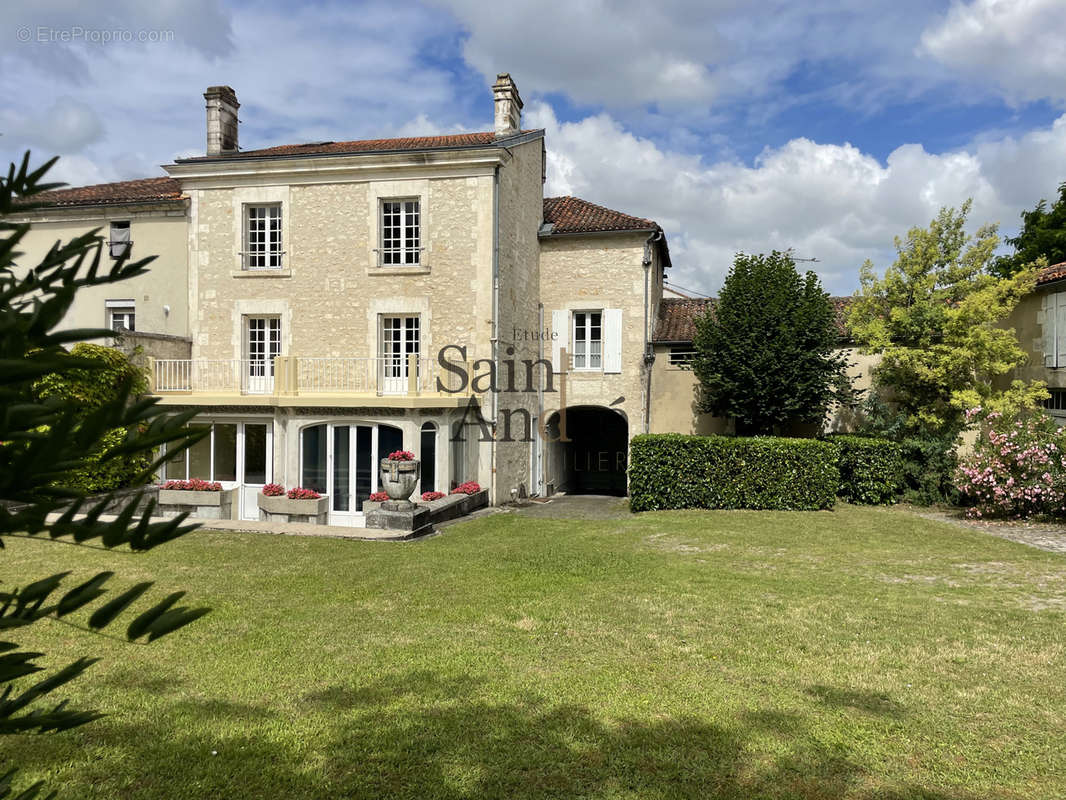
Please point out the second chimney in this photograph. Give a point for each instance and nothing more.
(222, 108)
(508, 105)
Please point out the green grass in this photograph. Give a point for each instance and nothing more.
(860, 653)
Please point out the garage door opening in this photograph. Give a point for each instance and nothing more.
(594, 460)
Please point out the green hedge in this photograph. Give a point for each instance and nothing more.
(671, 470)
(871, 470)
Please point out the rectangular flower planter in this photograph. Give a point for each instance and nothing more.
(204, 505)
(282, 509)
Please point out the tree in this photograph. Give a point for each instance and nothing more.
(45, 437)
(767, 352)
(935, 319)
(1043, 235)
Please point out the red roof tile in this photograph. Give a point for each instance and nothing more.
(144, 190)
(362, 146)
(574, 215)
(1056, 272)
(677, 317)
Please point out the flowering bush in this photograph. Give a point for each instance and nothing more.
(299, 493)
(401, 455)
(193, 485)
(379, 497)
(273, 490)
(428, 496)
(470, 487)
(1017, 468)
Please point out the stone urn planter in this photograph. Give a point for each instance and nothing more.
(200, 504)
(282, 509)
(398, 481)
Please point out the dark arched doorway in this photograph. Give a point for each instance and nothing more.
(594, 460)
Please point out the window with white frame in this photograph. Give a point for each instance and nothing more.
(401, 232)
(262, 237)
(263, 344)
(121, 315)
(588, 340)
(119, 242)
(400, 337)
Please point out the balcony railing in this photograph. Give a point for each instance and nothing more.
(291, 375)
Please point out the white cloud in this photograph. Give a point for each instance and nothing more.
(1015, 45)
(831, 202)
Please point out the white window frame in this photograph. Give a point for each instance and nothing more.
(681, 355)
(405, 250)
(117, 245)
(266, 251)
(262, 349)
(395, 344)
(582, 362)
(122, 313)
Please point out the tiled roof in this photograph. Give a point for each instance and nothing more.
(144, 190)
(677, 317)
(362, 146)
(1056, 272)
(574, 215)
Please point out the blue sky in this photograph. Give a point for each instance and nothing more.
(829, 126)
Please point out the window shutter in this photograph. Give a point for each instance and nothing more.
(612, 340)
(560, 337)
(1047, 305)
(1060, 329)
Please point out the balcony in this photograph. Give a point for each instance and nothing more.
(406, 381)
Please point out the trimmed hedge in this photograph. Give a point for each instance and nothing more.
(871, 470)
(672, 470)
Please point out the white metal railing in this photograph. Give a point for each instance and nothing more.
(248, 376)
(394, 375)
(400, 375)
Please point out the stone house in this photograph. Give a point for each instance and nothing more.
(340, 300)
(1040, 322)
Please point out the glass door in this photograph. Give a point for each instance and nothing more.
(263, 345)
(254, 448)
(399, 339)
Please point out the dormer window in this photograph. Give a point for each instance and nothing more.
(262, 237)
(119, 242)
(401, 232)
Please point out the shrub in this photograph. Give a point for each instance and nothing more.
(1017, 468)
(194, 485)
(299, 493)
(871, 470)
(401, 455)
(273, 490)
(379, 497)
(91, 388)
(470, 487)
(430, 496)
(672, 470)
(929, 464)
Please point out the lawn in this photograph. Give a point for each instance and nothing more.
(861, 653)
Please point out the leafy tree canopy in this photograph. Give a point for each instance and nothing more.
(767, 352)
(1043, 236)
(935, 317)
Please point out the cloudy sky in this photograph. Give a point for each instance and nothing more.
(827, 126)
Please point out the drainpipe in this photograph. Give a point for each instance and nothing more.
(538, 453)
(649, 355)
(495, 320)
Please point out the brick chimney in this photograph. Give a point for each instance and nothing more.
(222, 108)
(508, 105)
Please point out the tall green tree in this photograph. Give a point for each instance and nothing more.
(767, 352)
(45, 437)
(935, 317)
(1042, 236)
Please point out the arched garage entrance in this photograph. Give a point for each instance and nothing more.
(594, 460)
